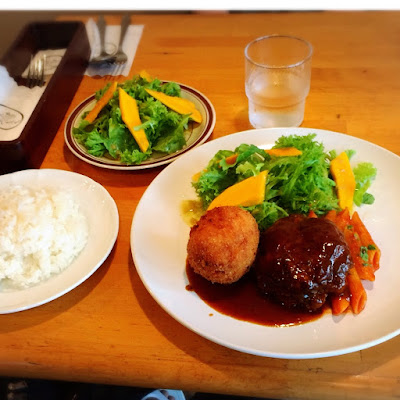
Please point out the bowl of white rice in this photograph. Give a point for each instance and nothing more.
(52, 234)
(42, 232)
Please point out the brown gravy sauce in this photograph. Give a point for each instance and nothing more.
(243, 301)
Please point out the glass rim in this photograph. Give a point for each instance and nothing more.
(274, 36)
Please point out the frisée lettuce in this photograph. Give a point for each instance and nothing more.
(108, 136)
(295, 184)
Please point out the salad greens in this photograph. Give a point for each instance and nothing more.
(108, 135)
(364, 173)
(294, 184)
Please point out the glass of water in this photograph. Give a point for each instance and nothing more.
(278, 73)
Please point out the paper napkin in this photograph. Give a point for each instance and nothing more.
(112, 34)
(16, 105)
(52, 58)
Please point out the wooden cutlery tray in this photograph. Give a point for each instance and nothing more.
(29, 149)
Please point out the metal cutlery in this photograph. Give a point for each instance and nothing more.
(36, 72)
(103, 57)
(120, 56)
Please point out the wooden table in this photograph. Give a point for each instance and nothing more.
(109, 329)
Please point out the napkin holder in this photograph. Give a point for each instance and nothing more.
(29, 149)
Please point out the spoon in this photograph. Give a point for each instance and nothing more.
(103, 57)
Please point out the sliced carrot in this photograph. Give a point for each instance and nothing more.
(343, 219)
(284, 152)
(101, 103)
(312, 214)
(358, 295)
(356, 236)
(340, 304)
(364, 271)
(231, 159)
(374, 253)
(346, 224)
(331, 215)
(281, 152)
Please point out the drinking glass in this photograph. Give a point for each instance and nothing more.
(277, 81)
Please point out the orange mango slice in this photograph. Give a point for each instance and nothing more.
(249, 192)
(178, 104)
(344, 178)
(145, 75)
(130, 116)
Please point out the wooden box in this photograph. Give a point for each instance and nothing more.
(29, 148)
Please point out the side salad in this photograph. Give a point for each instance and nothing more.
(295, 184)
(109, 135)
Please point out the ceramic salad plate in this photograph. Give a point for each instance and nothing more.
(195, 135)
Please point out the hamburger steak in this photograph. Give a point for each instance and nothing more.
(301, 261)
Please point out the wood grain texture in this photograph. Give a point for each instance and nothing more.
(109, 329)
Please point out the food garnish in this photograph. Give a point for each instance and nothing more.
(345, 182)
(178, 104)
(296, 184)
(284, 152)
(364, 174)
(101, 103)
(280, 152)
(249, 192)
(360, 244)
(145, 75)
(104, 131)
(130, 115)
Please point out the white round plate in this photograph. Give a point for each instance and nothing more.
(93, 200)
(195, 135)
(159, 237)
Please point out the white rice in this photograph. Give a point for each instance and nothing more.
(41, 233)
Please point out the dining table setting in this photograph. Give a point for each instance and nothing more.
(131, 128)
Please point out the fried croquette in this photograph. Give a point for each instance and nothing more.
(223, 244)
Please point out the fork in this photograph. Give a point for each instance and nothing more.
(103, 57)
(120, 56)
(36, 72)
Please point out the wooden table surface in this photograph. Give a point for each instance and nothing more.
(109, 329)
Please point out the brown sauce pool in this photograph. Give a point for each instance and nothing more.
(243, 301)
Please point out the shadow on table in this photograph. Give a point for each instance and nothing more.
(111, 177)
(48, 311)
(36, 389)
